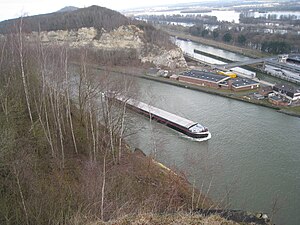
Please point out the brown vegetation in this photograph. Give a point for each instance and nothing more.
(62, 150)
(163, 219)
(109, 58)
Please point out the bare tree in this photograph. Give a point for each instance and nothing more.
(24, 78)
(103, 184)
(16, 173)
(121, 131)
(68, 97)
(2, 51)
(92, 122)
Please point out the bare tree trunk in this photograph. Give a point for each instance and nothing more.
(52, 103)
(200, 195)
(208, 190)
(97, 137)
(193, 196)
(48, 128)
(42, 64)
(69, 104)
(59, 120)
(47, 134)
(23, 71)
(2, 53)
(82, 82)
(153, 138)
(4, 105)
(92, 130)
(121, 133)
(4, 94)
(21, 195)
(87, 132)
(4, 100)
(63, 108)
(103, 185)
(110, 130)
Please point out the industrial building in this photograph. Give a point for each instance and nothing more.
(288, 92)
(265, 91)
(204, 79)
(217, 81)
(293, 59)
(243, 72)
(277, 100)
(242, 84)
(286, 67)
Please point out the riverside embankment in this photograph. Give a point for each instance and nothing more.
(239, 96)
(235, 49)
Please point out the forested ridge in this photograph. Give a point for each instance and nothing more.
(100, 18)
(93, 16)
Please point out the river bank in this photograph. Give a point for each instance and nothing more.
(231, 48)
(239, 96)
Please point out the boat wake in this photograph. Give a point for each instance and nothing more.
(198, 139)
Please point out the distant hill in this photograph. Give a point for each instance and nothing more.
(93, 16)
(68, 9)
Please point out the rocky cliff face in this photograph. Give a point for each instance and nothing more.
(124, 38)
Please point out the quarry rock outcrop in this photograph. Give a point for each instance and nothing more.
(170, 58)
(123, 38)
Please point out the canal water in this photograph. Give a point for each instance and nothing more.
(225, 15)
(189, 46)
(222, 15)
(252, 161)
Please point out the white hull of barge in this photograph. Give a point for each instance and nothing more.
(192, 129)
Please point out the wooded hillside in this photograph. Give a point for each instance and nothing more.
(93, 16)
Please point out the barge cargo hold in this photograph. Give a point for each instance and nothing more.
(185, 126)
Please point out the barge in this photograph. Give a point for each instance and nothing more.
(178, 123)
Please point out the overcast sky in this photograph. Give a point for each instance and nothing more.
(14, 8)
